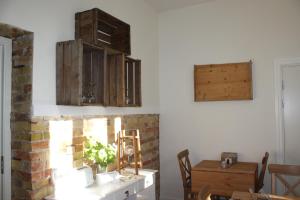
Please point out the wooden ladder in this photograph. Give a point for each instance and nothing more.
(127, 138)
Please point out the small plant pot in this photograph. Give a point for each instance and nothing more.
(101, 169)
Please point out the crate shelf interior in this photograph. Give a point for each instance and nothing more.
(132, 82)
(124, 83)
(93, 75)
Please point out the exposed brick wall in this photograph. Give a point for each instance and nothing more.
(30, 162)
(148, 126)
(22, 56)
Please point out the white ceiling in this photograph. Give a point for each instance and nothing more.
(163, 5)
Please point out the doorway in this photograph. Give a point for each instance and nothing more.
(5, 110)
(287, 93)
(291, 113)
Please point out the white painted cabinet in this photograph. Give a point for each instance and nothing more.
(109, 187)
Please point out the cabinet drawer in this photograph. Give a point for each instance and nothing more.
(125, 192)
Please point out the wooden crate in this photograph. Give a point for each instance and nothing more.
(77, 66)
(221, 82)
(100, 28)
(124, 85)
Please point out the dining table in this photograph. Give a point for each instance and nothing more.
(241, 176)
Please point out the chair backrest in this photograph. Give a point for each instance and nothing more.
(260, 181)
(283, 173)
(185, 167)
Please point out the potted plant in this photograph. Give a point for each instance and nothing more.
(99, 154)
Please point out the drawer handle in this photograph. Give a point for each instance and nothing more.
(126, 193)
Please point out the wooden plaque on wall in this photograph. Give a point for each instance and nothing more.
(223, 82)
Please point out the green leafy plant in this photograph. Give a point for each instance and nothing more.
(98, 153)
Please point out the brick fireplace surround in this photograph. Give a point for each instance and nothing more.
(30, 136)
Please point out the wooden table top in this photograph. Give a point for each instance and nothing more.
(237, 195)
(215, 166)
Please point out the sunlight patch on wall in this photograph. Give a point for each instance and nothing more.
(96, 128)
(118, 126)
(61, 139)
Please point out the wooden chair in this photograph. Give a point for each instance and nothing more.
(185, 169)
(260, 182)
(279, 171)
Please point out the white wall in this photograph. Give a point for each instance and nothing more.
(218, 32)
(214, 32)
(53, 21)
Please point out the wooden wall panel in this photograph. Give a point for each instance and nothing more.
(85, 26)
(60, 88)
(120, 62)
(221, 82)
(68, 73)
(138, 86)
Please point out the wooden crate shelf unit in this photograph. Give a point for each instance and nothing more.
(94, 68)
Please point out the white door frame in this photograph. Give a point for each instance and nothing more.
(279, 65)
(6, 44)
